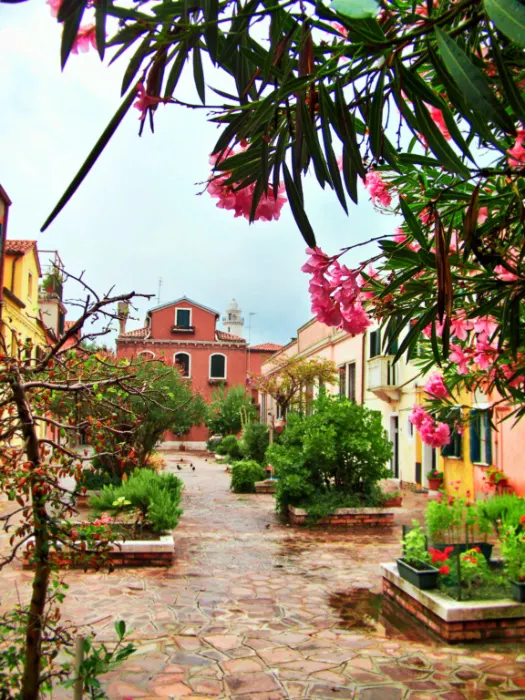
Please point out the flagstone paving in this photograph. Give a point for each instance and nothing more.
(256, 610)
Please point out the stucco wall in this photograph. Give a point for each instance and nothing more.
(163, 320)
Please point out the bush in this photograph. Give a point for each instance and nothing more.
(245, 474)
(156, 496)
(230, 446)
(341, 448)
(213, 443)
(505, 509)
(255, 441)
(96, 479)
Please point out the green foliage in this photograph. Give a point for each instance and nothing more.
(255, 441)
(213, 443)
(341, 447)
(513, 552)
(228, 409)
(155, 496)
(325, 503)
(415, 545)
(230, 447)
(505, 509)
(456, 520)
(96, 479)
(245, 474)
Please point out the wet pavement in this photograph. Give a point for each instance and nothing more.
(256, 610)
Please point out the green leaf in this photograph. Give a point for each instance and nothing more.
(69, 33)
(471, 81)
(176, 69)
(135, 63)
(211, 11)
(120, 628)
(333, 167)
(413, 223)
(198, 74)
(509, 17)
(297, 208)
(101, 10)
(512, 93)
(356, 9)
(375, 122)
(92, 157)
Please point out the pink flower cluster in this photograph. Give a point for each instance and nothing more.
(432, 433)
(378, 189)
(335, 293)
(435, 386)
(240, 201)
(517, 152)
(86, 37)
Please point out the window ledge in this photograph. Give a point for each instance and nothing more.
(217, 380)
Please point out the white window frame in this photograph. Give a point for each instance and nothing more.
(183, 352)
(184, 308)
(225, 365)
(146, 352)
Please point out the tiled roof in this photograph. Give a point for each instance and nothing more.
(222, 335)
(266, 347)
(19, 246)
(137, 333)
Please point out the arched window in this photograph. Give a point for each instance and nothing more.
(183, 360)
(147, 354)
(218, 366)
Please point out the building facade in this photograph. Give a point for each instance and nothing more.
(184, 332)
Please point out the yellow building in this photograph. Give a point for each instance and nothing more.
(21, 319)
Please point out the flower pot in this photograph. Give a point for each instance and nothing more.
(518, 590)
(393, 502)
(462, 547)
(434, 484)
(424, 578)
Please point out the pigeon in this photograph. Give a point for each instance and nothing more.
(268, 526)
(179, 468)
(192, 468)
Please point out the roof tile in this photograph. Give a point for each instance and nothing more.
(266, 347)
(222, 335)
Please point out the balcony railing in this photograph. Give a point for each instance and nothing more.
(383, 377)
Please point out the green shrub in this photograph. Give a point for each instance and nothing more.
(505, 509)
(340, 448)
(245, 474)
(255, 441)
(230, 446)
(95, 479)
(213, 444)
(156, 496)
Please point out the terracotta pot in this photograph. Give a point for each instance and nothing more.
(434, 484)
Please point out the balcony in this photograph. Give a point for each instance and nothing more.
(383, 378)
(183, 329)
(51, 287)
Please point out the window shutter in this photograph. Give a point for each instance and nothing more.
(342, 381)
(475, 435)
(351, 381)
(218, 367)
(488, 436)
(375, 343)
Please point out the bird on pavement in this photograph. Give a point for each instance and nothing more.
(179, 468)
(192, 468)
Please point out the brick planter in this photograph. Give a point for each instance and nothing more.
(346, 517)
(267, 486)
(454, 620)
(130, 553)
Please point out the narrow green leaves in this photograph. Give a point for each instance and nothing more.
(101, 10)
(198, 74)
(356, 9)
(296, 205)
(509, 18)
(73, 17)
(375, 121)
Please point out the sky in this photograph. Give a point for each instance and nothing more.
(138, 217)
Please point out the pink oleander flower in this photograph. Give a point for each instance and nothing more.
(504, 275)
(85, 38)
(399, 236)
(418, 416)
(460, 357)
(54, 6)
(483, 215)
(427, 331)
(460, 326)
(435, 434)
(437, 116)
(484, 353)
(144, 101)
(517, 152)
(514, 381)
(485, 325)
(435, 386)
(426, 216)
(342, 30)
(378, 189)
(317, 262)
(355, 319)
(362, 282)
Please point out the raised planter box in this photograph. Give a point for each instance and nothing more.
(395, 502)
(518, 590)
(424, 578)
(267, 486)
(129, 553)
(453, 620)
(347, 517)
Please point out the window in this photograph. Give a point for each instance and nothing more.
(263, 416)
(480, 437)
(342, 380)
(147, 354)
(351, 381)
(217, 366)
(29, 286)
(183, 360)
(375, 343)
(183, 318)
(347, 380)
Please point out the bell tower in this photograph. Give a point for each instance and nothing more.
(232, 321)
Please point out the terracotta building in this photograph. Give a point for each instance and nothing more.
(184, 333)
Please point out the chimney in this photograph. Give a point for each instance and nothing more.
(123, 313)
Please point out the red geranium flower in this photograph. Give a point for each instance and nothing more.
(444, 570)
(522, 520)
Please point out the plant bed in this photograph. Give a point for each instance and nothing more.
(395, 502)
(266, 486)
(459, 548)
(124, 553)
(423, 576)
(456, 621)
(518, 590)
(347, 517)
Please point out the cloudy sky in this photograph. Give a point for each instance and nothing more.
(138, 217)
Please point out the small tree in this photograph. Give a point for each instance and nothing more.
(289, 381)
(339, 452)
(255, 441)
(229, 410)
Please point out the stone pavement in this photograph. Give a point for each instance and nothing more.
(255, 610)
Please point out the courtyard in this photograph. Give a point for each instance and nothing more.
(252, 608)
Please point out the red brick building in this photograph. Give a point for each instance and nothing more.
(185, 333)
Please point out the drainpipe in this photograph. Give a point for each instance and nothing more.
(363, 346)
(4, 212)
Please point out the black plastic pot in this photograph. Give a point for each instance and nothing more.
(461, 548)
(424, 578)
(518, 590)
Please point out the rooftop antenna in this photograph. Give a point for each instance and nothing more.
(158, 293)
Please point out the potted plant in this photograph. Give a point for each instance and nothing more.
(415, 565)
(393, 499)
(435, 479)
(513, 553)
(496, 478)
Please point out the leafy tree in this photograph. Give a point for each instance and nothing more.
(229, 410)
(290, 379)
(255, 441)
(340, 451)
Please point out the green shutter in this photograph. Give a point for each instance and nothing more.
(375, 343)
(488, 435)
(475, 435)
